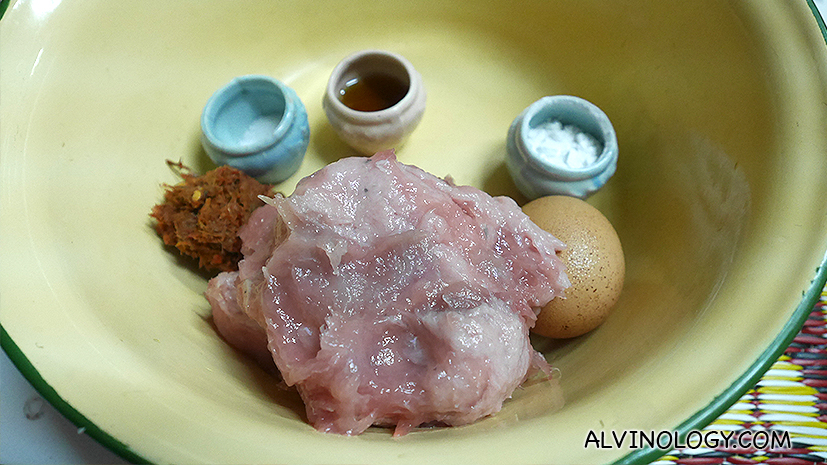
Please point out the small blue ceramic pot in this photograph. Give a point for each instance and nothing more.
(536, 175)
(258, 125)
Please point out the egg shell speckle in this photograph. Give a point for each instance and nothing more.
(594, 262)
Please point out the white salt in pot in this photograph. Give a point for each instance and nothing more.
(372, 130)
(258, 125)
(538, 174)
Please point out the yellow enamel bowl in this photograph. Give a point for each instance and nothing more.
(720, 109)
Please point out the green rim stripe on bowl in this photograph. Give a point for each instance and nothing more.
(31, 374)
(721, 403)
(78, 419)
(819, 18)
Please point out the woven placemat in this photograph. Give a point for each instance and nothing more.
(783, 418)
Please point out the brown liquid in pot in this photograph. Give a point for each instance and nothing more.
(373, 92)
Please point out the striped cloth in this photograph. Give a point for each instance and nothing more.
(790, 401)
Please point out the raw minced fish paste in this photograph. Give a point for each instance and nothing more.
(388, 296)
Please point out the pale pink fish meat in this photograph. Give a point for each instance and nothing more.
(388, 296)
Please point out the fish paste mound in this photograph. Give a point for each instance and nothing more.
(388, 296)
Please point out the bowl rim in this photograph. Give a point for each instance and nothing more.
(752, 375)
(698, 420)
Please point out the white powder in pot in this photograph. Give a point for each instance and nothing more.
(563, 145)
(262, 128)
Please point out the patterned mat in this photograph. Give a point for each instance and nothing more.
(785, 413)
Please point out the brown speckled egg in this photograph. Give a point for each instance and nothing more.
(594, 263)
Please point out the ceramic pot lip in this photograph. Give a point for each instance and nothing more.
(368, 60)
(234, 90)
(572, 110)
